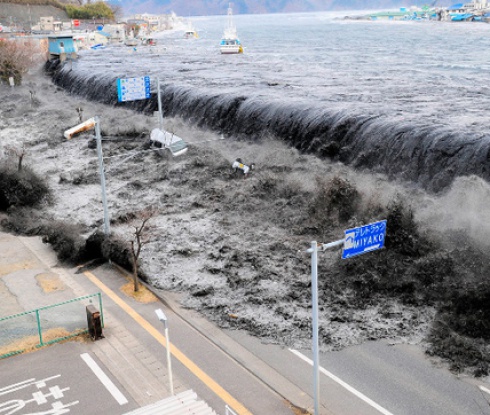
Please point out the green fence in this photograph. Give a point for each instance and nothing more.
(45, 325)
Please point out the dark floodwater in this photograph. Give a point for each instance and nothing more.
(409, 99)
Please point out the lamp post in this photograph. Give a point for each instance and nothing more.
(163, 318)
(94, 122)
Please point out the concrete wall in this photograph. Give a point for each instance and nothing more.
(25, 16)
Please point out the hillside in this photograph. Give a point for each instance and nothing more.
(218, 7)
(22, 12)
(24, 15)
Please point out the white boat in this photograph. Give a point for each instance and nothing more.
(230, 44)
(132, 42)
(190, 33)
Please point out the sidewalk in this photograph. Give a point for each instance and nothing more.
(25, 266)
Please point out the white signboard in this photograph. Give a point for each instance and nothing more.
(132, 89)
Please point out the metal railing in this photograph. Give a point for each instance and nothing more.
(45, 325)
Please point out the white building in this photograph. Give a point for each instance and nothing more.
(48, 24)
(117, 32)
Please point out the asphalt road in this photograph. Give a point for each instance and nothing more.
(399, 379)
(371, 379)
(196, 361)
(57, 380)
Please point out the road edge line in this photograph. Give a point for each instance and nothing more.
(104, 379)
(180, 356)
(345, 385)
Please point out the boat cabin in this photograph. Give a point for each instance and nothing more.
(230, 46)
(190, 34)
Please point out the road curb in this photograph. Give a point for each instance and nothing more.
(255, 366)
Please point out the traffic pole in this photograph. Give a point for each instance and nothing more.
(314, 306)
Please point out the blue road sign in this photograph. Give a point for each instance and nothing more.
(364, 239)
(131, 89)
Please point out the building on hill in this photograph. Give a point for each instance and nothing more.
(22, 17)
(151, 22)
(47, 24)
(117, 32)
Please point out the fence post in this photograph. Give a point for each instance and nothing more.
(39, 328)
(101, 312)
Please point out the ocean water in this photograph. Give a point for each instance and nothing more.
(408, 99)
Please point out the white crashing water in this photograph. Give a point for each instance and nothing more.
(409, 99)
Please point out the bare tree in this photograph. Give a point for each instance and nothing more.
(20, 153)
(118, 11)
(16, 57)
(141, 236)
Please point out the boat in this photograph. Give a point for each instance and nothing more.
(149, 42)
(131, 42)
(190, 33)
(473, 11)
(230, 44)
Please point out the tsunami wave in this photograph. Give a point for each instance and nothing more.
(430, 156)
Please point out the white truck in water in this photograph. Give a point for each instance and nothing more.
(167, 141)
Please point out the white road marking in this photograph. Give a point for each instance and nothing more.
(343, 384)
(109, 385)
(25, 384)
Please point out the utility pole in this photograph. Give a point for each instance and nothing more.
(160, 109)
(98, 138)
(30, 19)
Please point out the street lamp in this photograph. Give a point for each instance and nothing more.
(163, 318)
(94, 122)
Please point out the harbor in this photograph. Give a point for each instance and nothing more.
(475, 11)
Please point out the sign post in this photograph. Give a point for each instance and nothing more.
(357, 241)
